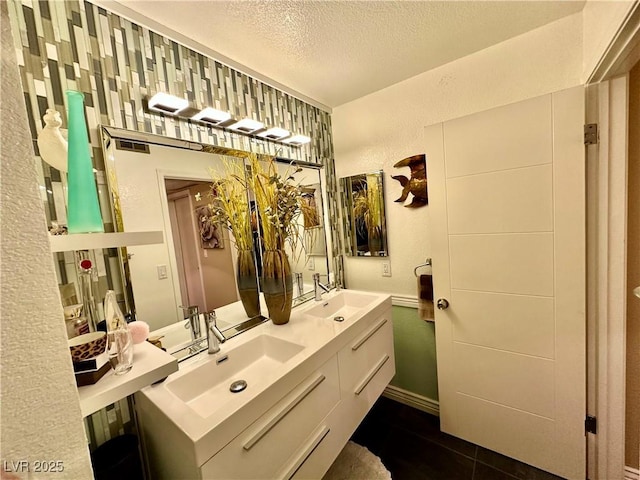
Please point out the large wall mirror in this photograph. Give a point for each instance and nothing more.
(364, 222)
(163, 184)
(159, 183)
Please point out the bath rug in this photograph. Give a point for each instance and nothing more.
(357, 463)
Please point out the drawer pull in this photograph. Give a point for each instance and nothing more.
(307, 450)
(366, 336)
(371, 374)
(298, 396)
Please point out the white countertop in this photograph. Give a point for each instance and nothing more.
(150, 364)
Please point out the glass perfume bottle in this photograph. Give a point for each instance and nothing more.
(119, 338)
(88, 280)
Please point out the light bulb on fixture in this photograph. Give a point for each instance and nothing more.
(275, 133)
(211, 116)
(165, 103)
(247, 125)
(297, 140)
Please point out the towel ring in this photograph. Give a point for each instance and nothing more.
(427, 263)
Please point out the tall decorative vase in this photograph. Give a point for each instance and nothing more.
(277, 285)
(247, 283)
(83, 214)
(375, 240)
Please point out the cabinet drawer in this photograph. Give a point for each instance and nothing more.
(366, 361)
(272, 444)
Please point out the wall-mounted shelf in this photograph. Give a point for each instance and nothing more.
(150, 364)
(91, 241)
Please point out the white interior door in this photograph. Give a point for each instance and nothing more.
(507, 200)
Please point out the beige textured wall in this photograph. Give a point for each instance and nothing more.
(217, 264)
(632, 421)
(601, 22)
(377, 130)
(39, 408)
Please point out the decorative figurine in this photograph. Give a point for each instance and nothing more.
(52, 141)
(417, 184)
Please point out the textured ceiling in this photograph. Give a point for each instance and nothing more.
(337, 51)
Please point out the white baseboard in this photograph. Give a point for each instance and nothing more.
(631, 473)
(412, 399)
(404, 301)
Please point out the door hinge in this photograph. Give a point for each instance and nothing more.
(591, 424)
(591, 134)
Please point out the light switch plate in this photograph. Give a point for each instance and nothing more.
(312, 264)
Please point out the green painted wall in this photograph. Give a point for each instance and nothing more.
(415, 347)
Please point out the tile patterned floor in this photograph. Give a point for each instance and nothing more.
(411, 446)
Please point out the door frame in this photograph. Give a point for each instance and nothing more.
(607, 105)
(606, 277)
(162, 175)
(178, 245)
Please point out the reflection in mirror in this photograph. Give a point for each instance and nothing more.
(152, 181)
(147, 176)
(364, 225)
(307, 253)
(204, 257)
(166, 188)
(311, 254)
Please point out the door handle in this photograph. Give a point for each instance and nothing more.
(442, 304)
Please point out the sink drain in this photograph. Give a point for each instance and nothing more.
(338, 319)
(238, 386)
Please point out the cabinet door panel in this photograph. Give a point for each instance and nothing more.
(367, 363)
(271, 445)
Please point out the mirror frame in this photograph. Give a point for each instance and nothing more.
(349, 218)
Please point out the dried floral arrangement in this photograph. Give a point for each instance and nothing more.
(367, 203)
(308, 207)
(278, 198)
(230, 208)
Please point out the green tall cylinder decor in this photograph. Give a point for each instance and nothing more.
(83, 209)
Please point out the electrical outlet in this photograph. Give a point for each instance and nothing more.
(386, 269)
(162, 272)
(312, 264)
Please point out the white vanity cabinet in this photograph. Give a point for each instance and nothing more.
(366, 365)
(296, 426)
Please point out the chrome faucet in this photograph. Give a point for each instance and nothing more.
(214, 336)
(193, 322)
(318, 287)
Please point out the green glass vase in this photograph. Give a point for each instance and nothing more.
(83, 209)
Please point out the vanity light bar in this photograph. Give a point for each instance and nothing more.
(171, 105)
(297, 140)
(275, 133)
(247, 125)
(165, 103)
(211, 116)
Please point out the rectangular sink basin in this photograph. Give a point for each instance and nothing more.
(343, 304)
(206, 387)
